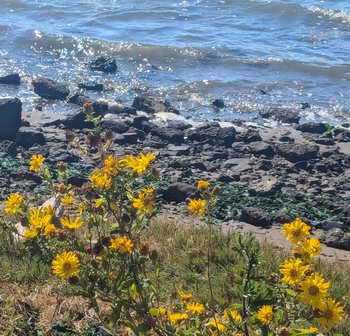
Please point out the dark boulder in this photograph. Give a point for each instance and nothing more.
(78, 99)
(130, 138)
(117, 126)
(104, 64)
(316, 128)
(336, 238)
(12, 79)
(27, 137)
(152, 105)
(178, 192)
(297, 152)
(49, 89)
(10, 117)
(282, 114)
(77, 121)
(218, 103)
(213, 134)
(171, 135)
(256, 216)
(261, 148)
(93, 86)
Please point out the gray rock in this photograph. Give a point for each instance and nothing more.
(336, 238)
(282, 114)
(316, 128)
(266, 186)
(175, 136)
(104, 64)
(49, 89)
(10, 117)
(12, 79)
(91, 86)
(297, 152)
(178, 192)
(27, 137)
(261, 148)
(151, 105)
(238, 165)
(255, 216)
(126, 138)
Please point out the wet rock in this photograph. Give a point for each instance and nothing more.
(343, 135)
(305, 106)
(178, 192)
(219, 103)
(250, 136)
(282, 114)
(92, 86)
(256, 216)
(12, 79)
(10, 117)
(78, 99)
(261, 148)
(212, 134)
(104, 64)
(118, 108)
(77, 121)
(49, 89)
(28, 136)
(316, 128)
(336, 238)
(126, 138)
(151, 105)
(175, 136)
(268, 185)
(297, 152)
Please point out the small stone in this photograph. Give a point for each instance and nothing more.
(12, 79)
(49, 89)
(255, 216)
(93, 86)
(104, 64)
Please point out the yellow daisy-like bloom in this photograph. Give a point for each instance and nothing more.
(71, 223)
(140, 163)
(40, 218)
(145, 200)
(232, 314)
(293, 271)
(216, 324)
(313, 290)
(307, 331)
(122, 245)
(185, 296)
(160, 311)
(50, 229)
(310, 247)
(296, 231)
(195, 308)
(265, 315)
(112, 165)
(98, 203)
(101, 179)
(36, 162)
(197, 206)
(202, 185)
(330, 312)
(30, 233)
(177, 317)
(13, 203)
(67, 200)
(66, 265)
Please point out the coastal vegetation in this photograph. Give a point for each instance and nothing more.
(96, 260)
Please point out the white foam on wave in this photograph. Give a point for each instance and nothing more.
(331, 14)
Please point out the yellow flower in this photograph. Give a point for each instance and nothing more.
(81, 208)
(145, 200)
(122, 245)
(195, 308)
(50, 229)
(40, 218)
(232, 314)
(293, 271)
(36, 162)
(140, 163)
(197, 206)
(265, 314)
(313, 290)
(177, 317)
(296, 231)
(112, 165)
(98, 203)
(159, 311)
(66, 265)
(101, 179)
(31, 233)
(71, 223)
(13, 203)
(202, 185)
(330, 312)
(67, 200)
(184, 296)
(310, 247)
(216, 324)
(307, 331)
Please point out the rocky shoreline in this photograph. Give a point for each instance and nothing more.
(307, 161)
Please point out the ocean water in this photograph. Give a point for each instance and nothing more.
(254, 54)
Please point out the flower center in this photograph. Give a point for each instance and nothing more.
(328, 314)
(293, 273)
(67, 267)
(296, 233)
(313, 290)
